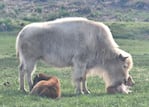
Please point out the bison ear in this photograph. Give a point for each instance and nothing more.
(122, 58)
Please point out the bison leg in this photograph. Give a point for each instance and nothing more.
(77, 82)
(29, 69)
(79, 70)
(85, 89)
(21, 77)
(84, 85)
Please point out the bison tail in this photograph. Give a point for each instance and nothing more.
(17, 43)
(17, 54)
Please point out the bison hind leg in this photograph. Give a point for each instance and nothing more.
(27, 67)
(30, 67)
(21, 77)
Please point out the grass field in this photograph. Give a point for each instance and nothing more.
(10, 96)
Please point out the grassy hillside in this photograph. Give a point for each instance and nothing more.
(11, 97)
(125, 30)
(17, 13)
(130, 30)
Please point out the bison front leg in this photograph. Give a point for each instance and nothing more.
(81, 86)
(78, 78)
(84, 85)
(29, 80)
(28, 69)
(78, 86)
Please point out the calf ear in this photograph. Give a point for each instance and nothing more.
(36, 76)
(122, 58)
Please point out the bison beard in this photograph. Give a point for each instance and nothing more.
(46, 86)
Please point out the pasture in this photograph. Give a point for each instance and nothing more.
(10, 96)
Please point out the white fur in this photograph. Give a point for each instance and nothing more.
(80, 43)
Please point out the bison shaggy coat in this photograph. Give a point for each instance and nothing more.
(83, 44)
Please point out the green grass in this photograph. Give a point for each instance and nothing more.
(10, 96)
(130, 30)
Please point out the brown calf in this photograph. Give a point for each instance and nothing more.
(48, 86)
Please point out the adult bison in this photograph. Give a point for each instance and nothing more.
(80, 43)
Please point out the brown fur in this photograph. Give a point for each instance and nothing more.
(48, 86)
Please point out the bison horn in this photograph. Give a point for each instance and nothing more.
(122, 58)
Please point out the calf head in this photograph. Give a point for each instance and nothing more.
(118, 74)
(122, 88)
(39, 77)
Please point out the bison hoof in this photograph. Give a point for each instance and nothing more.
(86, 92)
(80, 93)
(23, 90)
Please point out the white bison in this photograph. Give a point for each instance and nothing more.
(83, 44)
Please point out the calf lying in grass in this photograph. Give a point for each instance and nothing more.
(122, 87)
(48, 86)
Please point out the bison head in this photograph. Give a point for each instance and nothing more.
(118, 79)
